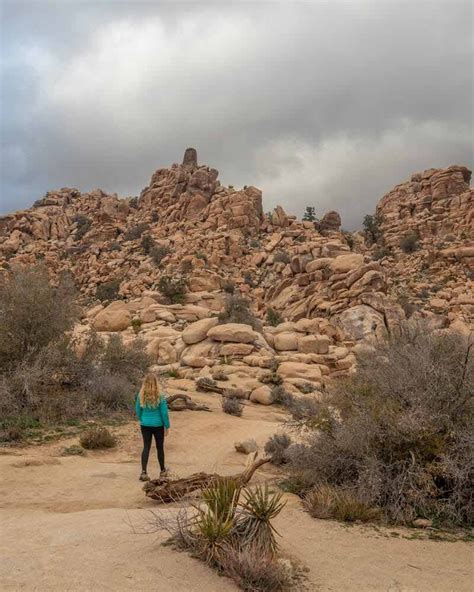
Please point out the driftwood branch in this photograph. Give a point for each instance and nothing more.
(171, 490)
(180, 402)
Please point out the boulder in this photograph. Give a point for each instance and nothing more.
(236, 349)
(233, 332)
(314, 344)
(262, 395)
(197, 331)
(345, 263)
(309, 372)
(362, 322)
(286, 341)
(112, 318)
(246, 447)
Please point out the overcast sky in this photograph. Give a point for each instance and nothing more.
(317, 103)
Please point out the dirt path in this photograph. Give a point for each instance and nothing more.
(69, 523)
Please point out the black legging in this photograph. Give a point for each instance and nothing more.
(147, 433)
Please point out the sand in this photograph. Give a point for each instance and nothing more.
(76, 524)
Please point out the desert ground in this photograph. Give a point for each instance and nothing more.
(78, 523)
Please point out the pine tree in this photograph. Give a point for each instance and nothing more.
(310, 214)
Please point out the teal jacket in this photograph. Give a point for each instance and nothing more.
(153, 417)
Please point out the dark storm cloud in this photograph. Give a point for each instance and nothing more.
(316, 103)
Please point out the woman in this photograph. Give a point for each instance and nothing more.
(152, 413)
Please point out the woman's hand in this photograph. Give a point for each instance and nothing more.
(166, 431)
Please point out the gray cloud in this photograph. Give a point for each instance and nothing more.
(318, 103)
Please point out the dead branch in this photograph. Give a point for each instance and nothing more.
(170, 490)
(180, 402)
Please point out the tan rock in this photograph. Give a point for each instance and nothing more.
(309, 372)
(345, 263)
(112, 318)
(315, 344)
(286, 341)
(262, 395)
(236, 349)
(233, 332)
(197, 331)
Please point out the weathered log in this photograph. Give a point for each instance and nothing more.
(171, 490)
(179, 402)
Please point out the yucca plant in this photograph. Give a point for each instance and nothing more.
(216, 521)
(259, 508)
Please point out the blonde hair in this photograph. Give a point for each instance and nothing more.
(149, 393)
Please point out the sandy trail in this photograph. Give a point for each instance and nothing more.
(70, 523)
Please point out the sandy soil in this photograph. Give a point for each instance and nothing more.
(76, 523)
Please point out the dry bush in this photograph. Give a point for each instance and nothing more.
(254, 573)
(32, 312)
(108, 290)
(277, 448)
(281, 257)
(232, 406)
(398, 434)
(237, 310)
(158, 253)
(83, 223)
(326, 501)
(136, 231)
(410, 243)
(98, 438)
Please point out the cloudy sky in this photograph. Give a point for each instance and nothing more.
(317, 103)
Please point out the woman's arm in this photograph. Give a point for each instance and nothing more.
(138, 409)
(164, 412)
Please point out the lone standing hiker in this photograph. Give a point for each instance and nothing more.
(152, 413)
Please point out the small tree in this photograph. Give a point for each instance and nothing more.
(372, 227)
(410, 243)
(309, 214)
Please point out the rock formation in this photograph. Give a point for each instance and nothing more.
(332, 290)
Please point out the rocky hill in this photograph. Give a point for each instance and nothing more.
(332, 289)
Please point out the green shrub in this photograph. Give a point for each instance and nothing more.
(274, 317)
(98, 438)
(147, 243)
(309, 214)
(237, 310)
(372, 227)
(173, 288)
(228, 286)
(136, 325)
(73, 450)
(108, 291)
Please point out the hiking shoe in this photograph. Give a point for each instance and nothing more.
(144, 476)
(164, 473)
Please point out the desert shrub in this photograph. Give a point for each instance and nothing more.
(73, 450)
(232, 531)
(133, 202)
(173, 288)
(32, 312)
(281, 396)
(83, 224)
(272, 378)
(254, 243)
(398, 434)
(109, 392)
(232, 406)
(98, 438)
(249, 279)
(108, 290)
(408, 307)
(158, 253)
(410, 243)
(237, 310)
(219, 375)
(186, 266)
(147, 243)
(173, 373)
(281, 257)
(130, 361)
(306, 387)
(115, 246)
(276, 447)
(136, 325)
(326, 501)
(136, 231)
(380, 253)
(228, 286)
(201, 255)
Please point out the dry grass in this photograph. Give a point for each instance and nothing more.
(326, 501)
(232, 406)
